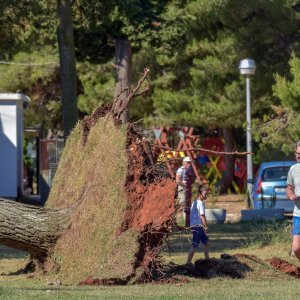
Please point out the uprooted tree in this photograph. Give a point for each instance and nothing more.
(109, 207)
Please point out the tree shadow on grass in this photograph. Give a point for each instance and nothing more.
(226, 266)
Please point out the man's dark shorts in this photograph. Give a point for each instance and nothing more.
(199, 235)
(296, 226)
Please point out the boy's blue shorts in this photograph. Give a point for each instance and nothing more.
(199, 235)
(296, 226)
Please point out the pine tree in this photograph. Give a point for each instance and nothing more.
(200, 83)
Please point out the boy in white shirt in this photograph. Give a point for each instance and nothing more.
(198, 224)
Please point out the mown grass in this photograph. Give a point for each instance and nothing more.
(196, 289)
(229, 238)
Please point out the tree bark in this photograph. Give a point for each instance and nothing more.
(229, 161)
(30, 228)
(67, 65)
(123, 68)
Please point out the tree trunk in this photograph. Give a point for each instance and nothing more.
(229, 161)
(30, 228)
(67, 65)
(123, 69)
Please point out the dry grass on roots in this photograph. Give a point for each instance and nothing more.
(94, 173)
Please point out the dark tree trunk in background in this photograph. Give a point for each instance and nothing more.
(67, 65)
(30, 228)
(229, 161)
(123, 69)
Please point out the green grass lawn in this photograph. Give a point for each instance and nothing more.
(263, 240)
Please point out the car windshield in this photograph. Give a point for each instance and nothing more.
(275, 174)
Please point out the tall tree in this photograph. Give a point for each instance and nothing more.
(67, 65)
(116, 29)
(31, 26)
(200, 83)
(123, 72)
(29, 47)
(281, 128)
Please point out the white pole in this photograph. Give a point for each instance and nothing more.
(249, 141)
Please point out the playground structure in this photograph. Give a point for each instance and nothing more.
(207, 154)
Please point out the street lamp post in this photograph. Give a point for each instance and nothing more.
(247, 68)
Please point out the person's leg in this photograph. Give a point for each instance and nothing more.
(190, 255)
(204, 240)
(181, 201)
(206, 251)
(195, 244)
(296, 237)
(296, 245)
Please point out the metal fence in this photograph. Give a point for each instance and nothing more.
(50, 153)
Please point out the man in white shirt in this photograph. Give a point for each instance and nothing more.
(198, 224)
(181, 179)
(293, 193)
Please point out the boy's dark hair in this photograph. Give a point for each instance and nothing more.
(203, 187)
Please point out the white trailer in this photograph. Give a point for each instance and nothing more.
(11, 144)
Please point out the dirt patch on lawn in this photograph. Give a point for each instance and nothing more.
(284, 266)
(236, 266)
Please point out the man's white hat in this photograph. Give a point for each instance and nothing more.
(187, 159)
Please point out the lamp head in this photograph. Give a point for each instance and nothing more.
(247, 67)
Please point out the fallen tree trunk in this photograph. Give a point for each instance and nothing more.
(30, 228)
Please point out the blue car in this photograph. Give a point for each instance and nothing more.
(269, 189)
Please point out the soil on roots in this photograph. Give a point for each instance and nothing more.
(151, 204)
(150, 196)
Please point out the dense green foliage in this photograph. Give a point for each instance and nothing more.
(39, 79)
(282, 126)
(201, 84)
(192, 48)
(26, 26)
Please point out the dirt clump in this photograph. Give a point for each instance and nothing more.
(226, 266)
(236, 266)
(284, 266)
